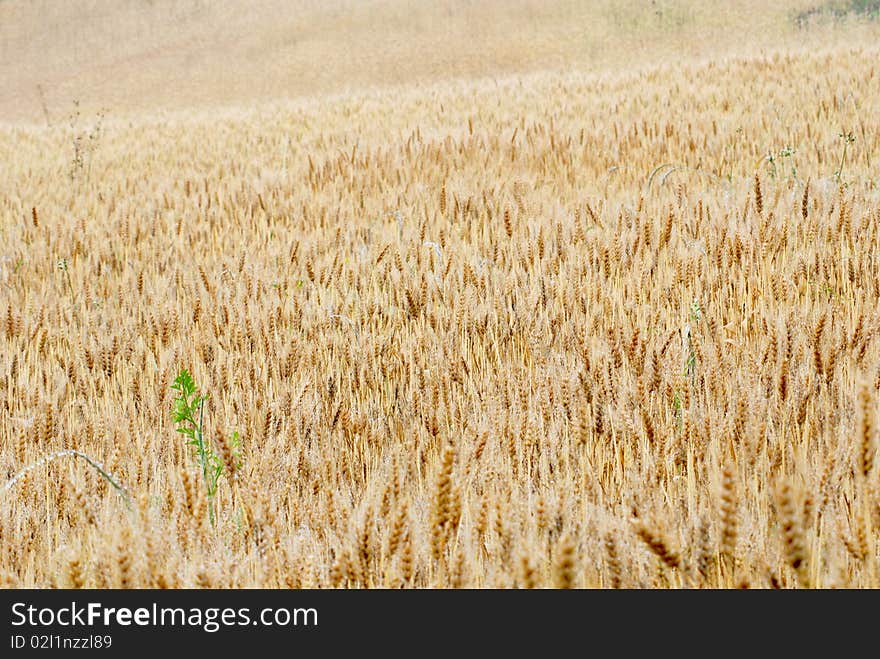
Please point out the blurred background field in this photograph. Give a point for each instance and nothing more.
(135, 55)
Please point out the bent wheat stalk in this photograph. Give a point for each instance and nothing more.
(60, 454)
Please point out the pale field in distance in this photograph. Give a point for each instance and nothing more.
(495, 294)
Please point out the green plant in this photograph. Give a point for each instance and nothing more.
(677, 408)
(64, 266)
(776, 163)
(838, 10)
(189, 415)
(84, 143)
(848, 138)
(828, 290)
(696, 314)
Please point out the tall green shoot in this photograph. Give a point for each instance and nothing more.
(189, 415)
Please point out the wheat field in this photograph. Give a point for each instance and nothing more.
(591, 327)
